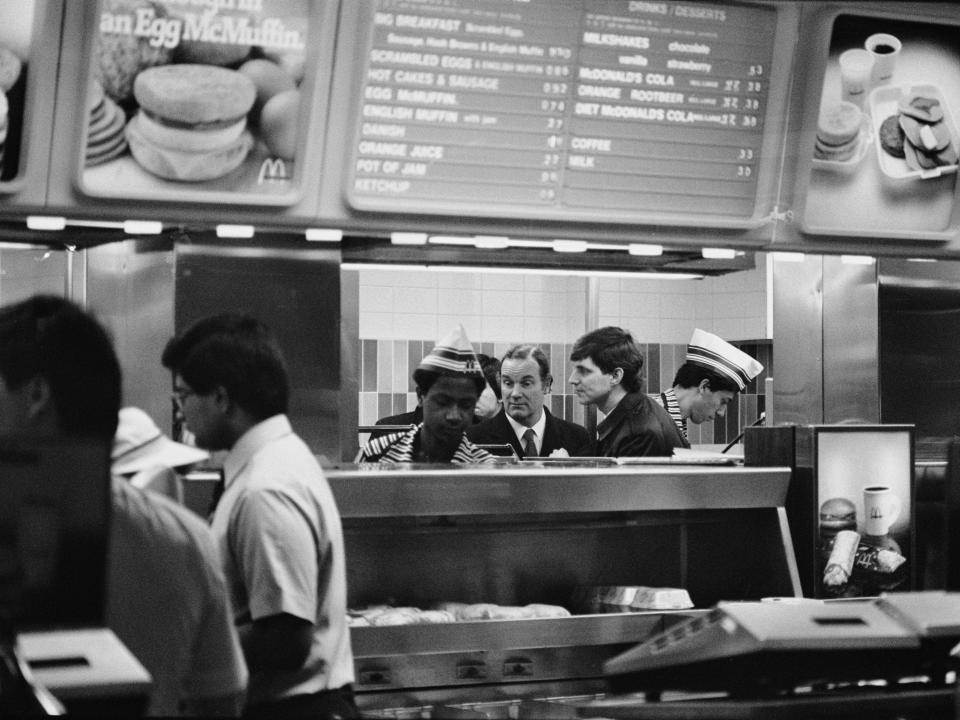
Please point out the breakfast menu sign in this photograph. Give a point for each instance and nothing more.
(194, 96)
(629, 110)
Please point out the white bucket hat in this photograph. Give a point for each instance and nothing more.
(139, 444)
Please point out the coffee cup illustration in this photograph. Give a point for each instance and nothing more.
(881, 507)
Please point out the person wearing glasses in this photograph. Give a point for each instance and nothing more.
(276, 522)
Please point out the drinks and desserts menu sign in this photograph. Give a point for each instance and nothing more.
(628, 110)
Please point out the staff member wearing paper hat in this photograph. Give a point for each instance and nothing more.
(714, 372)
(449, 380)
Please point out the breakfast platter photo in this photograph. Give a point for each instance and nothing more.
(185, 99)
(885, 147)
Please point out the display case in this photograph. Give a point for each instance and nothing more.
(519, 534)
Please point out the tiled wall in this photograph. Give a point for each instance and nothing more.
(402, 315)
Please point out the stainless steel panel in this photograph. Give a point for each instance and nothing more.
(797, 336)
(385, 492)
(295, 289)
(508, 634)
(851, 368)
(130, 286)
(349, 363)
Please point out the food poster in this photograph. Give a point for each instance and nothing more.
(189, 96)
(863, 481)
(16, 40)
(886, 153)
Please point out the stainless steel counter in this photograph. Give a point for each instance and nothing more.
(519, 534)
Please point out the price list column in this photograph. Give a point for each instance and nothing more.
(668, 109)
(465, 104)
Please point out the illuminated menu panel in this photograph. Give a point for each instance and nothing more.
(589, 110)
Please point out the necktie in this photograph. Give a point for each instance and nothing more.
(529, 443)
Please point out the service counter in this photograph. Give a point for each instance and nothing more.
(532, 532)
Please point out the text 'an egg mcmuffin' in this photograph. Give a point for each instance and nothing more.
(192, 122)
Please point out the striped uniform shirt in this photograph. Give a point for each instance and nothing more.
(399, 447)
(668, 400)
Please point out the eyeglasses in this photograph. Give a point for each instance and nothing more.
(179, 395)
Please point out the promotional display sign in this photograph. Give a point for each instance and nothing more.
(864, 481)
(886, 153)
(202, 100)
(602, 110)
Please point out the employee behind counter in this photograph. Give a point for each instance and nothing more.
(607, 365)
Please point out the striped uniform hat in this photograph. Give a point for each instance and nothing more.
(723, 358)
(453, 355)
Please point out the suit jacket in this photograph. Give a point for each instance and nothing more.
(638, 427)
(557, 434)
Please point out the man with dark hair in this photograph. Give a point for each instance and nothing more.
(710, 378)
(525, 423)
(449, 380)
(606, 373)
(276, 521)
(166, 594)
(489, 402)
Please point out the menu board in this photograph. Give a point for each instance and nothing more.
(204, 101)
(610, 110)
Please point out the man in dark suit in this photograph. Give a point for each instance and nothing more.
(524, 422)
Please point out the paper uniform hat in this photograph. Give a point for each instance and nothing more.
(139, 444)
(723, 358)
(453, 355)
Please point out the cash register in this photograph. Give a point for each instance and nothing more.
(843, 658)
(57, 655)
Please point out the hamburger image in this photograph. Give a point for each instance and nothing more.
(192, 121)
(837, 514)
(838, 132)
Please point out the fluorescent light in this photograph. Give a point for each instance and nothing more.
(857, 259)
(543, 244)
(788, 256)
(46, 222)
(569, 246)
(323, 234)
(718, 253)
(408, 238)
(491, 242)
(922, 260)
(5, 245)
(142, 227)
(523, 271)
(645, 250)
(235, 231)
(450, 240)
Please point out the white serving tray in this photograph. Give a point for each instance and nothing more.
(883, 103)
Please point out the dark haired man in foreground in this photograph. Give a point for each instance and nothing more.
(166, 594)
(449, 380)
(276, 521)
(606, 373)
